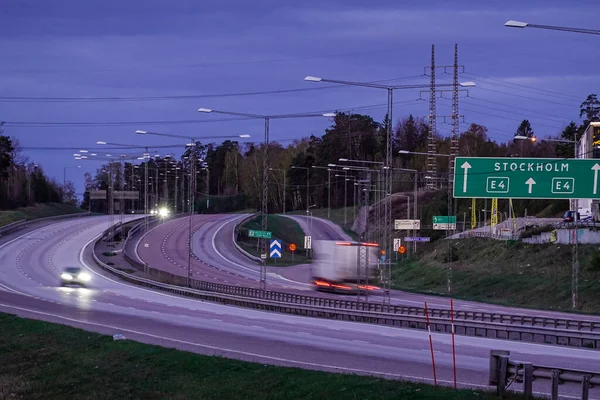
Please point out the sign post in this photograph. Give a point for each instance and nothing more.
(397, 244)
(530, 178)
(292, 248)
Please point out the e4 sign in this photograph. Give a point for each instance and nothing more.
(526, 178)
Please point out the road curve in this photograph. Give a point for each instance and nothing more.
(29, 287)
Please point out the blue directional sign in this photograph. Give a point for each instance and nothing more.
(275, 248)
(417, 239)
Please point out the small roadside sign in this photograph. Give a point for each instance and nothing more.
(259, 234)
(407, 224)
(292, 247)
(402, 250)
(417, 239)
(307, 242)
(275, 249)
(397, 244)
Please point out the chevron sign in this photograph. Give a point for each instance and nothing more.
(275, 248)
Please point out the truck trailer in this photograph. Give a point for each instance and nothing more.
(335, 266)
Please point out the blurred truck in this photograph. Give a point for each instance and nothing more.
(335, 266)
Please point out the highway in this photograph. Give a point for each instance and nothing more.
(29, 287)
(218, 260)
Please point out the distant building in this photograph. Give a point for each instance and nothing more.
(588, 146)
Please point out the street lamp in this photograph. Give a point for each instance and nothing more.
(519, 24)
(284, 185)
(263, 244)
(388, 157)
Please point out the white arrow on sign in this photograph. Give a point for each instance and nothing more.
(530, 182)
(466, 167)
(595, 168)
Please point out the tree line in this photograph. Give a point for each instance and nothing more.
(25, 183)
(229, 175)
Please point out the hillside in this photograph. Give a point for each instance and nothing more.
(504, 272)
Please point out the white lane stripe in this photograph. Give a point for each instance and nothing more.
(245, 353)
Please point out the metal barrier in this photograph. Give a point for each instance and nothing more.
(237, 246)
(12, 227)
(503, 372)
(490, 325)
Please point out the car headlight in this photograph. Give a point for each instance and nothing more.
(66, 276)
(84, 276)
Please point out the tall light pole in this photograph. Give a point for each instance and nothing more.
(284, 185)
(192, 189)
(519, 24)
(307, 191)
(328, 189)
(575, 207)
(388, 156)
(263, 244)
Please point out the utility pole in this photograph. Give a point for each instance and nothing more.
(430, 179)
(263, 243)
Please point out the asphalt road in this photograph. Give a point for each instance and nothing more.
(217, 260)
(29, 267)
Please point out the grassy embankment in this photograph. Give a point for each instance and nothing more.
(337, 217)
(510, 273)
(37, 211)
(283, 228)
(40, 360)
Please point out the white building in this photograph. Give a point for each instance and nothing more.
(588, 146)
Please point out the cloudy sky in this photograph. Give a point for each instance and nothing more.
(74, 72)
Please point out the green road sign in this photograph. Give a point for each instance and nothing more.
(526, 178)
(259, 234)
(444, 219)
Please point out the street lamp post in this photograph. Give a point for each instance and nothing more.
(328, 189)
(263, 244)
(388, 156)
(519, 24)
(284, 184)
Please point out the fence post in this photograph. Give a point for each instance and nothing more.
(502, 372)
(555, 382)
(585, 387)
(528, 380)
(494, 362)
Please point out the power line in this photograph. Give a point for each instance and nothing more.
(527, 88)
(145, 66)
(47, 124)
(93, 99)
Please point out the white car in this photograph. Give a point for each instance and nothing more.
(74, 276)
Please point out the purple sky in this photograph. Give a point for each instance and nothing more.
(107, 48)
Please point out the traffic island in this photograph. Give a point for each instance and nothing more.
(41, 360)
(284, 235)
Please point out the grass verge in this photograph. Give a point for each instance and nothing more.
(501, 272)
(283, 228)
(37, 211)
(40, 360)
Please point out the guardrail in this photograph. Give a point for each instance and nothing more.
(14, 226)
(502, 326)
(503, 372)
(479, 316)
(237, 246)
(202, 290)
